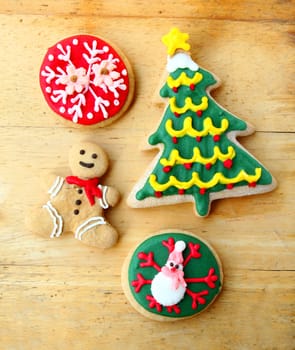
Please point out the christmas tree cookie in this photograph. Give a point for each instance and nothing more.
(86, 81)
(200, 159)
(171, 276)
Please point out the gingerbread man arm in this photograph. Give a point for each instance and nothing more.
(112, 196)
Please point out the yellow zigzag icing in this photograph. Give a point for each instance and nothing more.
(183, 79)
(175, 158)
(187, 129)
(188, 105)
(195, 180)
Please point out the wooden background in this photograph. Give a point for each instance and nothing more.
(61, 294)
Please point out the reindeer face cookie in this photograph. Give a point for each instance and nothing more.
(77, 202)
(172, 276)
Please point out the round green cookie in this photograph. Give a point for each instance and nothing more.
(171, 276)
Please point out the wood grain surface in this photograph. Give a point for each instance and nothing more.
(61, 294)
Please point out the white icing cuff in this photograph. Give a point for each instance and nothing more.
(56, 218)
(181, 60)
(103, 200)
(87, 225)
(56, 187)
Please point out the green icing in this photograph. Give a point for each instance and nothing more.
(185, 145)
(196, 268)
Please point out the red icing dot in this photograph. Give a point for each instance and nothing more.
(167, 168)
(216, 138)
(175, 89)
(230, 186)
(174, 139)
(199, 138)
(158, 194)
(252, 184)
(202, 191)
(181, 191)
(177, 115)
(188, 166)
(208, 166)
(228, 163)
(192, 86)
(199, 113)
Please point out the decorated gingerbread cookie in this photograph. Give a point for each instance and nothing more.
(87, 81)
(171, 276)
(200, 159)
(76, 203)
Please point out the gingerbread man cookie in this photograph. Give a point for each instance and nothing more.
(85, 80)
(76, 203)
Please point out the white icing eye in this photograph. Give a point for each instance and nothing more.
(171, 264)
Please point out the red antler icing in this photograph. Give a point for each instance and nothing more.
(174, 308)
(194, 252)
(149, 260)
(197, 297)
(169, 244)
(153, 303)
(209, 279)
(140, 282)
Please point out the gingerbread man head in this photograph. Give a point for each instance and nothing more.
(87, 160)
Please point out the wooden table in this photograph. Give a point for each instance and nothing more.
(61, 294)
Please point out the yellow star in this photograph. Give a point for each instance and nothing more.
(176, 40)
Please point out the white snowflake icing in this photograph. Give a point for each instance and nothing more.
(74, 82)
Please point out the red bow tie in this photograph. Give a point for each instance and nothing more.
(90, 187)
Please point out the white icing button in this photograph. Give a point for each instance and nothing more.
(62, 109)
(48, 89)
(124, 72)
(51, 57)
(105, 49)
(89, 115)
(75, 41)
(116, 102)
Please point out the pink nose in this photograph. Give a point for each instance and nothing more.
(173, 269)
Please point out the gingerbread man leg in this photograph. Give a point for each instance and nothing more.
(46, 221)
(97, 232)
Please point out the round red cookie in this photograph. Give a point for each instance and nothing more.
(86, 80)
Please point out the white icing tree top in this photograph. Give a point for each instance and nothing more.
(181, 60)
